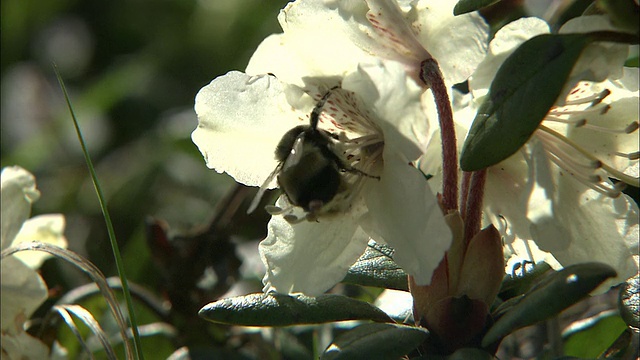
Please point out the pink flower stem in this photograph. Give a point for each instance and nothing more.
(464, 192)
(430, 74)
(473, 207)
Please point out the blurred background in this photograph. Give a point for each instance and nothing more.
(132, 69)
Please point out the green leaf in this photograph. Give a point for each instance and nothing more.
(377, 268)
(467, 6)
(629, 302)
(549, 297)
(375, 341)
(632, 62)
(514, 285)
(590, 337)
(282, 310)
(619, 347)
(624, 14)
(524, 89)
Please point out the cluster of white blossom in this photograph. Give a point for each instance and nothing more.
(553, 200)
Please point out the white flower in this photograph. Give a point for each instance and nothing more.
(23, 290)
(378, 120)
(573, 210)
(329, 38)
(555, 195)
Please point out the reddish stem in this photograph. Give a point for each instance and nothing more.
(430, 74)
(473, 207)
(464, 192)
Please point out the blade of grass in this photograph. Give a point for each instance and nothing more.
(107, 219)
(88, 268)
(66, 317)
(85, 316)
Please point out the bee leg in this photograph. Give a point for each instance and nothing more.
(276, 210)
(292, 219)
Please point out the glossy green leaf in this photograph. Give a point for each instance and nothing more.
(281, 310)
(526, 86)
(588, 338)
(629, 302)
(552, 295)
(524, 89)
(467, 6)
(376, 268)
(375, 341)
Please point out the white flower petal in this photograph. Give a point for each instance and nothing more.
(18, 192)
(24, 347)
(622, 111)
(507, 39)
(22, 291)
(310, 257)
(405, 213)
(319, 40)
(512, 35)
(43, 228)
(542, 198)
(241, 119)
(275, 56)
(507, 194)
(458, 43)
(600, 60)
(600, 228)
(567, 221)
(392, 28)
(394, 99)
(329, 38)
(398, 304)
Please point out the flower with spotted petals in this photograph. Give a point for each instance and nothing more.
(378, 125)
(559, 198)
(329, 38)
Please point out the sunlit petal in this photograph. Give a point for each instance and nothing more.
(18, 193)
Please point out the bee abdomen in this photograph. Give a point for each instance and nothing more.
(317, 181)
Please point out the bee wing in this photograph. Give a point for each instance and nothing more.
(296, 153)
(263, 188)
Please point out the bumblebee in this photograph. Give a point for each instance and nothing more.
(309, 170)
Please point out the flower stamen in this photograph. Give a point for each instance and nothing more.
(566, 154)
(580, 109)
(631, 156)
(594, 99)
